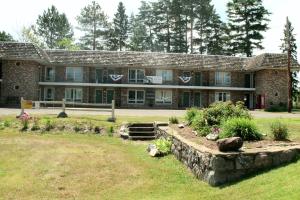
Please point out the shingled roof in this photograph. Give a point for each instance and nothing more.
(28, 51)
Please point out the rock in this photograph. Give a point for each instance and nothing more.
(212, 136)
(153, 151)
(195, 133)
(97, 130)
(180, 125)
(230, 144)
(62, 115)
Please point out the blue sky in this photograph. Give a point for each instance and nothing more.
(25, 13)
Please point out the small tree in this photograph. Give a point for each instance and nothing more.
(5, 36)
(28, 34)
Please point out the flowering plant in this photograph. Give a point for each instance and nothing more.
(25, 117)
(215, 130)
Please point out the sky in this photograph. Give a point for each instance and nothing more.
(18, 13)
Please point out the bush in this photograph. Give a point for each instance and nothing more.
(191, 114)
(163, 145)
(240, 127)
(173, 120)
(279, 131)
(35, 125)
(215, 114)
(281, 107)
(49, 125)
(110, 131)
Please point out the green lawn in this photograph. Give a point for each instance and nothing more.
(77, 166)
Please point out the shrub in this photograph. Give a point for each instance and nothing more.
(77, 127)
(163, 145)
(35, 125)
(110, 131)
(173, 120)
(215, 114)
(191, 114)
(281, 107)
(49, 125)
(240, 127)
(7, 123)
(279, 131)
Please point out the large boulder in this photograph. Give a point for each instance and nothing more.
(212, 136)
(62, 115)
(153, 151)
(230, 144)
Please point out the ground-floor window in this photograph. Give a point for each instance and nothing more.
(73, 94)
(49, 94)
(222, 96)
(163, 96)
(136, 96)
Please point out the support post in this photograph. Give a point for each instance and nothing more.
(63, 105)
(22, 108)
(113, 109)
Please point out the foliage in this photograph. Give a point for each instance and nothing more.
(138, 33)
(215, 114)
(6, 37)
(163, 145)
(281, 107)
(25, 117)
(190, 115)
(68, 44)
(279, 130)
(110, 131)
(36, 125)
(289, 40)
(173, 120)
(28, 34)
(240, 127)
(247, 20)
(94, 24)
(49, 125)
(53, 26)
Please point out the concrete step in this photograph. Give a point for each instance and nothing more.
(141, 137)
(135, 129)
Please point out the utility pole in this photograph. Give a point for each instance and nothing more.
(289, 75)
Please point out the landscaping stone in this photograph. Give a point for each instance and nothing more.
(180, 125)
(212, 136)
(97, 130)
(62, 115)
(230, 144)
(153, 151)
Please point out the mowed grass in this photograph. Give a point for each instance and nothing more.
(77, 166)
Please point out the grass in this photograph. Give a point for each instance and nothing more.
(76, 166)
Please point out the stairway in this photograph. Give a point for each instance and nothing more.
(141, 131)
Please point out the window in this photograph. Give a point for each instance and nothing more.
(49, 76)
(74, 74)
(136, 97)
(73, 94)
(167, 75)
(222, 96)
(49, 94)
(223, 78)
(99, 75)
(163, 96)
(136, 75)
(0, 70)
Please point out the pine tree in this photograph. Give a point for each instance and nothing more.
(290, 39)
(162, 28)
(178, 42)
(93, 23)
(53, 26)
(247, 20)
(137, 35)
(120, 26)
(5, 37)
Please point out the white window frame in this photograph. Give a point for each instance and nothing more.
(136, 80)
(135, 100)
(163, 98)
(53, 93)
(166, 74)
(72, 99)
(220, 78)
(223, 94)
(49, 78)
(73, 74)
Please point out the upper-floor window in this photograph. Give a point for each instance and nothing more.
(49, 74)
(136, 75)
(167, 75)
(223, 78)
(74, 74)
(73, 94)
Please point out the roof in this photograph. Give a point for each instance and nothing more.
(28, 51)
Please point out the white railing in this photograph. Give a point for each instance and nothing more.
(65, 105)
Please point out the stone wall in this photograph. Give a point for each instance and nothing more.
(217, 168)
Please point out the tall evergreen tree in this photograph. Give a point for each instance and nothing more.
(137, 35)
(53, 26)
(120, 26)
(93, 22)
(178, 42)
(289, 41)
(247, 20)
(5, 37)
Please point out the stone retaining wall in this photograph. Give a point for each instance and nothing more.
(217, 168)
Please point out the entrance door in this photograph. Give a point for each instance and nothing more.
(198, 79)
(247, 100)
(186, 99)
(197, 99)
(99, 96)
(109, 96)
(247, 80)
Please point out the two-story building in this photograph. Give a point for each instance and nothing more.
(141, 79)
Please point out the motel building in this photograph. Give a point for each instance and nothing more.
(141, 79)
